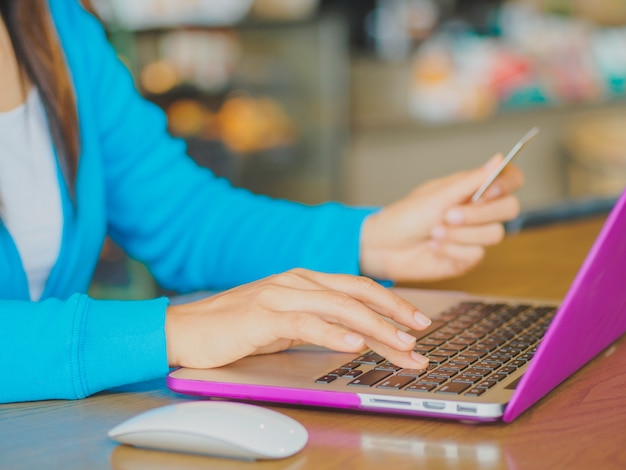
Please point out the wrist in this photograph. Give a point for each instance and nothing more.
(371, 263)
(172, 314)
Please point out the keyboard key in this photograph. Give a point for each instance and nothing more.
(452, 330)
(510, 350)
(431, 342)
(455, 347)
(488, 346)
(515, 310)
(388, 366)
(478, 372)
(445, 352)
(395, 382)
(419, 387)
(499, 356)
(490, 308)
(444, 373)
(465, 359)
(460, 363)
(352, 374)
(326, 379)
(494, 359)
(434, 326)
(442, 335)
(475, 351)
(437, 359)
(487, 383)
(453, 367)
(475, 392)
(453, 388)
(490, 365)
(498, 340)
(463, 341)
(351, 365)
(432, 379)
(517, 363)
(371, 359)
(469, 379)
(498, 376)
(412, 372)
(461, 323)
(423, 348)
(370, 378)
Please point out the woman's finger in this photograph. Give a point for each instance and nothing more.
(312, 329)
(510, 180)
(485, 235)
(406, 359)
(292, 311)
(459, 187)
(369, 292)
(496, 210)
(309, 328)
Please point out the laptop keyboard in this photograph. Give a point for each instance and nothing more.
(471, 347)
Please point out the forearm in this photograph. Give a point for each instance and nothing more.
(74, 348)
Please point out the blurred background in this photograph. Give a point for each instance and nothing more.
(361, 100)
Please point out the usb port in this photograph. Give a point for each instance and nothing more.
(466, 409)
(433, 405)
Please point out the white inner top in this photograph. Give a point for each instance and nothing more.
(30, 201)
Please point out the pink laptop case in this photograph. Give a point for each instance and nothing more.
(591, 317)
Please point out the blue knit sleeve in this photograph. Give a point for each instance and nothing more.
(68, 349)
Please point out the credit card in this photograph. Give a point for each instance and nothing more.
(508, 159)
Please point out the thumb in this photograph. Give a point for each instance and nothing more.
(459, 187)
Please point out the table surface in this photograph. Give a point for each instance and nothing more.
(579, 425)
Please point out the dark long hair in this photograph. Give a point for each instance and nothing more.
(42, 63)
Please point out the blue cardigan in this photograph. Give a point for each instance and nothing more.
(194, 231)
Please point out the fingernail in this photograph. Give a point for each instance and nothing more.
(493, 192)
(454, 216)
(422, 319)
(419, 358)
(353, 340)
(404, 336)
(438, 233)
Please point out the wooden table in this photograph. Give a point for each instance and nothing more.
(580, 425)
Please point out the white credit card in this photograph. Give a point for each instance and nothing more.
(510, 156)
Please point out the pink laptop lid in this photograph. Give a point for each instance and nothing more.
(592, 316)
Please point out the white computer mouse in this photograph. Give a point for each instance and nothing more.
(216, 428)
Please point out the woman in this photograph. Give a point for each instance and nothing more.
(83, 156)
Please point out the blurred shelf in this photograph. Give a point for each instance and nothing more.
(243, 25)
(294, 72)
(383, 108)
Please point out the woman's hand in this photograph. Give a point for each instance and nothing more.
(341, 312)
(436, 232)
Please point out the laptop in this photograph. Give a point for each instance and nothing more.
(490, 358)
